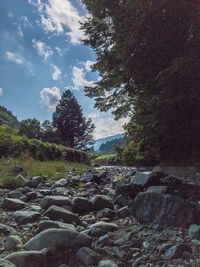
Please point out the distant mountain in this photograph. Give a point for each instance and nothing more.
(99, 142)
(6, 117)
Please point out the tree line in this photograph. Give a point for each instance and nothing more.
(148, 58)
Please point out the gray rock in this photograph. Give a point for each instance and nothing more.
(46, 224)
(81, 205)
(28, 259)
(6, 229)
(177, 251)
(123, 212)
(194, 231)
(59, 238)
(15, 194)
(107, 213)
(5, 263)
(157, 189)
(163, 210)
(100, 202)
(58, 213)
(55, 200)
(107, 263)
(108, 227)
(141, 178)
(12, 204)
(13, 243)
(87, 256)
(24, 217)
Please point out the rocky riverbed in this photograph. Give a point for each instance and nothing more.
(107, 217)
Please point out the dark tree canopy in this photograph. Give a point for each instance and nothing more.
(148, 57)
(74, 129)
(31, 128)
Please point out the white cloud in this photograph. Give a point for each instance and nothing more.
(78, 78)
(37, 3)
(14, 57)
(49, 98)
(10, 14)
(61, 17)
(19, 31)
(1, 91)
(57, 74)
(88, 65)
(43, 50)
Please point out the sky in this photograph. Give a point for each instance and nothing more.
(42, 55)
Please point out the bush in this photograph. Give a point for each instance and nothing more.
(14, 145)
(107, 160)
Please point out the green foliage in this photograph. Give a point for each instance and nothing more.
(53, 170)
(73, 128)
(148, 60)
(107, 160)
(110, 146)
(6, 117)
(14, 145)
(30, 128)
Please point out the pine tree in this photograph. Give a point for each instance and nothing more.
(74, 129)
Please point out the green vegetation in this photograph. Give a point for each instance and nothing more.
(6, 117)
(110, 159)
(110, 146)
(148, 60)
(13, 145)
(53, 170)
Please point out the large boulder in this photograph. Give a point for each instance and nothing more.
(28, 259)
(100, 202)
(81, 205)
(55, 200)
(58, 238)
(147, 179)
(57, 213)
(163, 210)
(5, 263)
(11, 204)
(25, 216)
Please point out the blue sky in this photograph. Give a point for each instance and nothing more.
(41, 55)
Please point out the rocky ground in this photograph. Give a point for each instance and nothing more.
(107, 218)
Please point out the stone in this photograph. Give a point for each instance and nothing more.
(28, 259)
(163, 210)
(123, 212)
(87, 256)
(61, 182)
(157, 189)
(5, 263)
(194, 231)
(81, 205)
(15, 194)
(12, 204)
(107, 213)
(58, 213)
(25, 216)
(46, 224)
(55, 200)
(107, 263)
(13, 243)
(59, 238)
(34, 182)
(177, 251)
(147, 179)
(108, 227)
(130, 190)
(100, 202)
(6, 229)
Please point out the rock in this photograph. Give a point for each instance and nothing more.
(34, 182)
(130, 190)
(194, 231)
(61, 182)
(46, 224)
(107, 263)
(59, 238)
(12, 204)
(163, 210)
(28, 259)
(15, 194)
(5, 263)
(107, 213)
(13, 243)
(58, 213)
(24, 217)
(87, 256)
(141, 178)
(6, 229)
(55, 200)
(157, 189)
(123, 212)
(100, 202)
(177, 251)
(108, 227)
(81, 205)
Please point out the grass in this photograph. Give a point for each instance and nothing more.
(53, 170)
(107, 159)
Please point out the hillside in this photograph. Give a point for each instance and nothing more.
(7, 117)
(101, 141)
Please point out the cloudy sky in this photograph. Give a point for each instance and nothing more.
(41, 55)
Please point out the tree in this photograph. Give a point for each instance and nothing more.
(149, 64)
(110, 146)
(74, 129)
(31, 128)
(49, 133)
